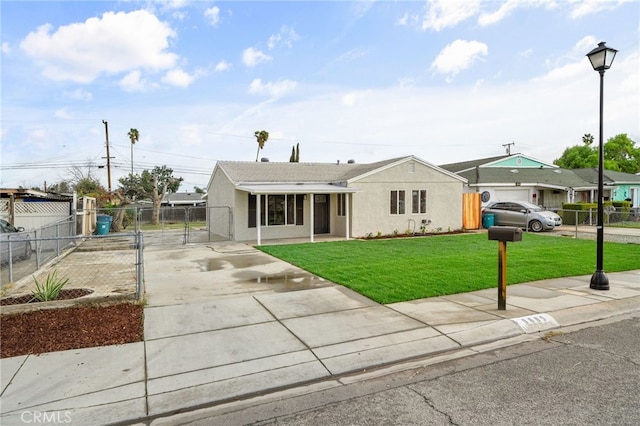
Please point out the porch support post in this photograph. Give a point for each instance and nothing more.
(311, 219)
(258, 216)
(347, 214)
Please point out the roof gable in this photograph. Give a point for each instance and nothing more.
(514, 160)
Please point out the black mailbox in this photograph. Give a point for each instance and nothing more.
(505, 233)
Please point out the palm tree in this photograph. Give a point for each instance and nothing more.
(134, 135)
(261, 137)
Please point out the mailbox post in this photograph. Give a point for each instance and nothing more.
(503, 234)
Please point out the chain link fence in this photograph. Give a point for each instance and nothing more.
(25, 252)
(174, 225)
(619, 226)
(92, 267)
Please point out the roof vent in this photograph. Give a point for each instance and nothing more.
(351, 162)
(264, 160)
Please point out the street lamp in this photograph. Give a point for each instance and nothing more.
(601, 59)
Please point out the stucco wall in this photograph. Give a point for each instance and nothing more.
(244, 233)
(222, 195)
(371, 206)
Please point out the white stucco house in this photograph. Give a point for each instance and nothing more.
(269, 200)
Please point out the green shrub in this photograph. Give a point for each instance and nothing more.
(50, 289)
(623, 211)
(568, 212)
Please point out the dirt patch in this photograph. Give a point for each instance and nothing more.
(59, 329)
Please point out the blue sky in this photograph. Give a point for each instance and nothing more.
(446, 81)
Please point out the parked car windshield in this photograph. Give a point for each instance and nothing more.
(532, 207)
(6, 227)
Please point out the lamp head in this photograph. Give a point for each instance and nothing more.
(601, 57)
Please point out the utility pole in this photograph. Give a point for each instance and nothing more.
(106, 131)
(508, 147)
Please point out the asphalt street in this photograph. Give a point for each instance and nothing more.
(588, 374)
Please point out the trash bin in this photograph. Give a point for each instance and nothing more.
(487, 220)
(103, 224)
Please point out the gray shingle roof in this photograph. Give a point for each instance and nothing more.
(465, 165)
(265, 172)
(554, 177)
(609, 176)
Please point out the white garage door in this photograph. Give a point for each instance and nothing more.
(511, 195)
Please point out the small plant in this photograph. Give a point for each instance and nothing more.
(50, 289)
(395, 233)
(423, 229)
(379, 234)
(438, 230)
(408, 232)
(369, 235)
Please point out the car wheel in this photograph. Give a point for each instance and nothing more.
(28, 251)
(536, 226)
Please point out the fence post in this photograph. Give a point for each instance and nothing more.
(185, 238)
(38, 248)
(57, 239)
(139, 265)
(10, 253)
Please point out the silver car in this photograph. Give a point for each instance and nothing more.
(522, 214)
(19, 240)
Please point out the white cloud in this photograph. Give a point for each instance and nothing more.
(222, 66)
(286, 37)
(133, 82)
(349, 99)
(587, 7)
(64, 114)
(585, 45)
(79, 95)
(252, 57)
(442, 14)
(213, 15)
(6, 48)
(458, 56)
(190, 135)
(272, 89)
(113, 44)
(179, 77)
(403, 20)
(508, 6)
(502, 12)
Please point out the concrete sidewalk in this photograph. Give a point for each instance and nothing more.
(226, 322)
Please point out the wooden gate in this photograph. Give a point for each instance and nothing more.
(471, 211)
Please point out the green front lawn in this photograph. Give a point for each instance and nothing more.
(401, 269)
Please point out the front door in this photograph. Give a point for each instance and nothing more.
(321, 214)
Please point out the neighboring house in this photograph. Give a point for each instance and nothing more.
(294, 200)
(184, 199)
(518, 177)
(623, 186)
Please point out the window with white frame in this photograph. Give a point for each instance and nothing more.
(419, 201)
(397, 202)
(278, 209)
(342, 204)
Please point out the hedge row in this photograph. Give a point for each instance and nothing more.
(583, 210)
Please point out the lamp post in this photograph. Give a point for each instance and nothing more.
(601, 59)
